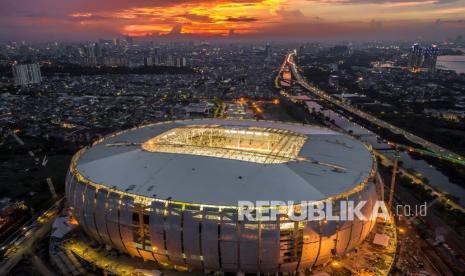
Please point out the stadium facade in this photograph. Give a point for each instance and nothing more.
(168, 192)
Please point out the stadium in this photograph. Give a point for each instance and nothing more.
(168, 192)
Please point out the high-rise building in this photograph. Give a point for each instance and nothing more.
(156, 51)
(339, 51)
(423, 58)
(115, 41)
(333, 81)
(129, 40)
(98, 50)
(115, 61)
(430, 58)
(149, 61)
(170, 61)
(415, 56)
(90, 51)
(268, 52)
(181, 62)
(25, 74)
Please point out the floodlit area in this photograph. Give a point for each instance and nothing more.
(368, 258)
(372, 258)
(252, 144)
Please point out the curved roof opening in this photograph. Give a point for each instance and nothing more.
(251, 144)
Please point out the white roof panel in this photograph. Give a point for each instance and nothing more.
(219, 181)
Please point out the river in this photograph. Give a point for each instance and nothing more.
(436, 178)
(455, 63)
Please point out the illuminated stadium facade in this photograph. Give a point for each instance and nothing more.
(169, 192)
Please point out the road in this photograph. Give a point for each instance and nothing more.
(281, 69)
(440, 151)
(36, 233)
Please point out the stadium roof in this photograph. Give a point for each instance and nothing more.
(322, 164)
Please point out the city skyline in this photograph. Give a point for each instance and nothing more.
(240, 19)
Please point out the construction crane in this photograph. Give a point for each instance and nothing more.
(393, 178)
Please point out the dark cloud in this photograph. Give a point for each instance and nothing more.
(441, 22)
(242, 19)
(196, 17)
(65, 17)
(22, 7)
(92, 17)
(446, 1)
(361, 30)
(59, 7)
(176, 29)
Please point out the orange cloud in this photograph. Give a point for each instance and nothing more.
(204, 18)
(233, 17)
(261, 18)
(81, 14)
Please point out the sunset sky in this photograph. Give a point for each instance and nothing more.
(309, 19)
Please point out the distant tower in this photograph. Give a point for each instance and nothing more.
(91, 57)
(25, 74)
(170, 61)
(415, 56)
(156, 51)
(178, 62)
(333, 81)
(423, 57)
(98, 50)
(148, 61)
(268, 52)
(430, 58)
(435, 53)
(181, 62)
(115, 41)
(129, 40)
